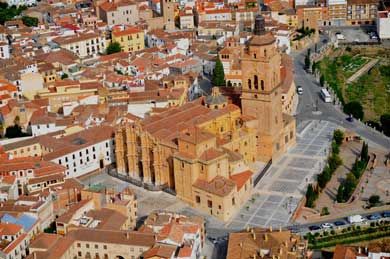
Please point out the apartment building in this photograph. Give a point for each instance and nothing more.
(362, 12)
(8, 92)
(266, 242)
(32, 173)
(383, 25)
(60, 92)
(186, 18)
(80, 152)
(130, 38)
(14, 242)
(118, 12)
(83, 44)
(337, 11)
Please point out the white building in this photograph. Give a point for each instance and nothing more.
(283, 39)
(21, 2)
(83, 44)
(4, 50)
(42, 128)
(383, 24)
(82, 152)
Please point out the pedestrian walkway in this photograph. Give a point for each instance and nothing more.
(278, 193)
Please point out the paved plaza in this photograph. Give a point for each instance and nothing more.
(278, 193)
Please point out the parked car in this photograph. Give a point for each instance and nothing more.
(314, 227)
(356, 219)
(299, 90)
(339, 223)
(349, 118)
(294, 229)
(386, 214)
(326, 225)
(375, 216)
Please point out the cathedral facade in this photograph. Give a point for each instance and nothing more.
(202, 150)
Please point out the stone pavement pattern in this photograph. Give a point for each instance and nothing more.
(278, 193)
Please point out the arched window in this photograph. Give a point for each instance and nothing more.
(249, 84)
(256, 82)
(254, 55)
(265, 52)
(262, 84)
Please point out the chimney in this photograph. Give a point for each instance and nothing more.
(254, 235)
(265, 237)
(359, 250)
(280, 228)
(270, 228)
(248, 228)
(127, 235)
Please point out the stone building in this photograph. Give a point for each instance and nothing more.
(265, 243)
(202, 149)
(190, 148)
(261, 94)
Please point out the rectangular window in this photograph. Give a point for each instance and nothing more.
(233, 201)
(197, 199)
(209, 204)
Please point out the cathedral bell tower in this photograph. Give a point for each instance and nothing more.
(261, 93)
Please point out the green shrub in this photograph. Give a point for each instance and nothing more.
(338, 136)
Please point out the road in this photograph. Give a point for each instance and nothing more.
(311, 105)
(304, 228)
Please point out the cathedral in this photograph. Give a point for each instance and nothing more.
(202, 150)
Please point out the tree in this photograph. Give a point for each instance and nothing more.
(340, 193)
(30, 21)
(374, 200)
(350, 185)
(113, 47)
(335, 148)
(338, 136)
(218, 75)
(14, 131)
(334, 162)
(385, 123)
(310, 196)
(307, 62)
(314, 67)
(64, 76)
(324, 211)
(324, 177)
(322, 80)
(364, 152)
(355, 109)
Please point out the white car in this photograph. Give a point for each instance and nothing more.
(300, 90)
(326, 225)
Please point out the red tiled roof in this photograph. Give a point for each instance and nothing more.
(241, 178)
